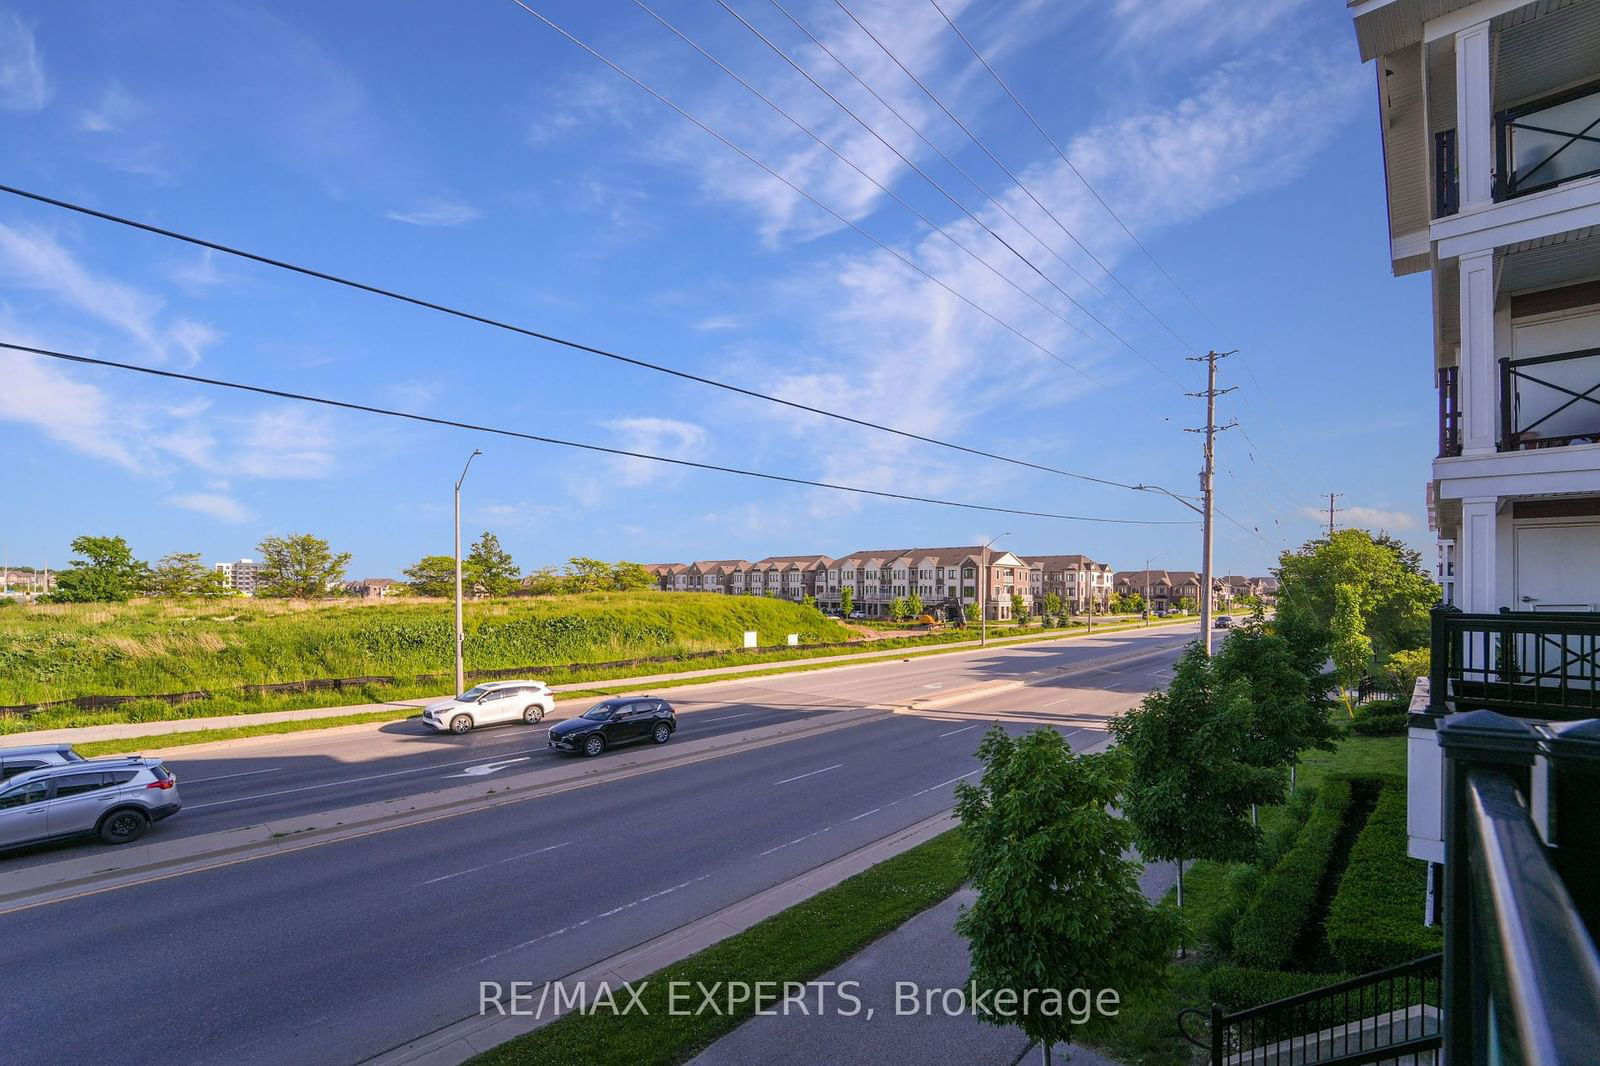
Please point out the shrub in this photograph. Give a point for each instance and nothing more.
(1375, 919)
(1266, 935)
(1389, 724)
(1236, 988)
(1402, 668)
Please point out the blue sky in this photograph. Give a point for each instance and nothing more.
(477, 158)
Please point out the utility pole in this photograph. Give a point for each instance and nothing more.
(461, 678)
(1206, 492)
(1331, 497)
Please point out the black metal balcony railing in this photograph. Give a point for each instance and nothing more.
(1547, 142)
(1446, 183)
(1529, 664)
(1521, 975)
(1382, 1017)
(1449, 412)
(1550, 400)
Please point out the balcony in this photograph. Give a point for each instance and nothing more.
(1449, 412)
(1529, 664)
(1549, 401)
(1545, 143)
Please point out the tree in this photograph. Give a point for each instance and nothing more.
(1393, 592)
(1289, 705)
(808, 600)
(1186, 604)
(181, 574)
(1193, 780)
(897, 608)
(1059, 906)
(1019, 609)
(1052, 605)
(914, 607)
(433, 575)
(103, 570)
(587, 575)
(545, 581)
(490, 567)
(1402, 668)
(301, 566)
(1351, 647)
(628, 577)
(847, 600)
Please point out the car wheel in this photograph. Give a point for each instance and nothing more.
(534, 714)
(662, 734)
(123, 827)
(593, 744)
(461, 723)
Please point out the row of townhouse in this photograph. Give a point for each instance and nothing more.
(1164, 590)
(941, 578)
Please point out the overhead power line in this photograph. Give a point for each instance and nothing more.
(525, 331)
(1004, 168)
(1079, 175)
(798, 190)
(349, 405)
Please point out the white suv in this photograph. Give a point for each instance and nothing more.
(494, 701)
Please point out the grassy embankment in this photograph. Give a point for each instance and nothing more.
(54, 652)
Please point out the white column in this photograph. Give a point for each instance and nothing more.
(1476, 556)
(1479, 376)
(1474, 115)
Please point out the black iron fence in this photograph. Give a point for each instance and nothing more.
(1388, 1016)
(1549, 401)
(1548, 141)
(1541, 664)
(1449, 412)
(1446, 185)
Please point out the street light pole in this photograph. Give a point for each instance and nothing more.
(461, 679)
(983, 594)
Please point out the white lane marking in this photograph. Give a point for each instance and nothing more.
(963, 729)
(812, 773)
(347, 781)
(586, 921)
(725, 717)
(941, 784)
(863, 814)
(224, 777)
(497, 862)
(483, 769)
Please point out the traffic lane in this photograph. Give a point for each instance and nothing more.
(343, 959)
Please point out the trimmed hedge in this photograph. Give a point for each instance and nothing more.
(1236, 988)
(1266, 936)
(1375, 919)
(1382, 718)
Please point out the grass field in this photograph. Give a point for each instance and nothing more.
(53, 652)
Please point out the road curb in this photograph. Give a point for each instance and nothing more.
(95, 873)
(459, 1041)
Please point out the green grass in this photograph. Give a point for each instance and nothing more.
(228, 703)
(797, 944)
(151, 741)
(1375, 919)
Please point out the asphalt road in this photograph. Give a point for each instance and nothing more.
(336, 953)
(298, 774)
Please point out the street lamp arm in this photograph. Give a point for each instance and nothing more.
(1174, 495)
(463, 477)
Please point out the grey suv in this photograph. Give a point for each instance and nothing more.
(114, 799)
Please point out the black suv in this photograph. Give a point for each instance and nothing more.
(613, 722)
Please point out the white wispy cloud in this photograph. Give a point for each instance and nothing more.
(1201, 24)
(670, 437)
(113, 111)
(35, 259)
(1374, 517)
(77, 414)
(222, 507)
(24, 86)
(436, 213)
(286, 443)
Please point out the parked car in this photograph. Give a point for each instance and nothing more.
(14, 761)
(613, 722)
(114, 799)
(493, 701)
(1224, 621)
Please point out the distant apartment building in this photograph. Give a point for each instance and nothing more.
(1164, 590)
(941, 577)
(27, 583)
(240, 576)
(1077, 579)
(370, 588)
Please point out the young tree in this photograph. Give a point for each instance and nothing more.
(1352, 648)
(490, 567)
(1059, 906)
(1193, 779)
(897, 608)
(182, 574)
(545, 581)
(1052, 605)
(1289, 706)
(1186, 604)
(103, 570)
(914, 607)
(628, 577)
(300, 566)
(808, 600)
(434, 575)
(1019, 609)
(847, 600)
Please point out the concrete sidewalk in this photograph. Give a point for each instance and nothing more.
(124, 730)
(925, 952)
